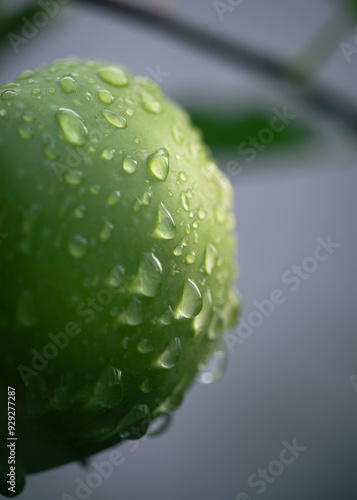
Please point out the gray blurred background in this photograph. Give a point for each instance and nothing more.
(295, 376)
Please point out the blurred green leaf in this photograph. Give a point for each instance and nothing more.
(228, 129)
(12, 20)
(353, 6)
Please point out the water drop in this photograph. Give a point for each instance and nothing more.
(133, 312)
(26, 133)
(72, 126)
(113, 198)
(170, 357)
(116, 277)
(146, 198)
(108, 390)
(145, 346)
(191, 301)
(68, 84)
(130, 165)
(114, 118)
(175, 269)
(178, 250)
(28, 117)
(146, 84)
(26, 74)
(135, 424)
(77, 246)
(114, 75)
(220, 213)
(50, 151)
(26, 313)
(190, 257)
(79, 212)
(158, 164)
(136, 205)
(203, 320)
(7, 95)
(152, 106)
(185, 202)
(105, 96)
(213, 369)
(94, 189)
(210, 258)
(146, 386)
(167, 317)
(108, 153)
(106, 232)
(149, 276)
(36, 92)
(161, 423)
(182, 176)
(201, 213)
(125, 342)
(165, 226)
(73, 177)
(2, 112)
(11, 85)
(177, 135)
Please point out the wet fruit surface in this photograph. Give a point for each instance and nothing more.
(118, 267)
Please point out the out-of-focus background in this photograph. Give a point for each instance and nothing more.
(291, 380)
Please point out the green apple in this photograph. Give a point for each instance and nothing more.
(117, 261)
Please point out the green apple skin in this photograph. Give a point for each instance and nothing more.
(118, 242)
